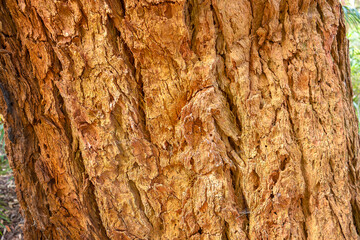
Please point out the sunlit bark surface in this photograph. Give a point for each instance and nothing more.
(197, 119)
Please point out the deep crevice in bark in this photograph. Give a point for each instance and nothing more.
(225, 91)
(99, 227)
(142, 105)
(136, 73)
(356, 215)
(189, 21)
(136, 193)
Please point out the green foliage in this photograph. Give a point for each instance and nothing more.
(4, 164)
(352, 17)
(4, 169)
(3, 217)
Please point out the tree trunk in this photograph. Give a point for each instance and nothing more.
(173, 119)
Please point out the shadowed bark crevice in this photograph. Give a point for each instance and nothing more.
(356, 215)
(136, 73)
(189, 20)
(135, 191)
(94, 211)
(221, 49)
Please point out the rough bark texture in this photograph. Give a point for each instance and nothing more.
(174, 119)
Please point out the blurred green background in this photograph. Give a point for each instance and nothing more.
(352, 16)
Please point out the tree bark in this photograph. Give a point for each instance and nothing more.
(197, 119)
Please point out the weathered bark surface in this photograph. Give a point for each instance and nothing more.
(197, 119)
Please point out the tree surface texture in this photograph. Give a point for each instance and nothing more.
(174, 119)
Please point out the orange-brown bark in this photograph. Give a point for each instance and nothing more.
(197, 119)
